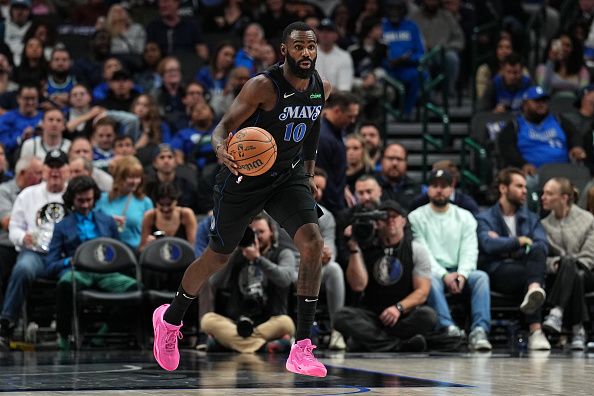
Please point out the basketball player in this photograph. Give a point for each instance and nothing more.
(286, 100)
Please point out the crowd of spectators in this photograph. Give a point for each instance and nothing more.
(112, 138)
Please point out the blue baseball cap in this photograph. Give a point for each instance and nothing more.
(535, 93)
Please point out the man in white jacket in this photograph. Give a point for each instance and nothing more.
(34, 213)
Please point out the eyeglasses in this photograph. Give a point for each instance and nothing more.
(166, 204)
(198, 93)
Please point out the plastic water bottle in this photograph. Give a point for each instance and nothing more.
(31, 333)
(522, 342)
(315, 333)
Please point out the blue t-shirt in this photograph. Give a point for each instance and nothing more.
(134, 214)
(55, 88)
(212, 85)
(242, 59)
(402, 39)
(199, 142)
(101, 158)
(12, 125)
(510, 99)
(543, 143)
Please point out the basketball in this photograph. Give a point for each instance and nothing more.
(253, 149)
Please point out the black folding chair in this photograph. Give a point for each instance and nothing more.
(163, 264)
(169, 256)
(105, 255)
(579, 175)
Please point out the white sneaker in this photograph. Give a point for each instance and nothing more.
(454, 331)
(538, 342)
(578, 342)
(478, 341)
(552, 324)
(533, 300)
(337, 341)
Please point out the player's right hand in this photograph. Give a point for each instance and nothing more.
(226, 158)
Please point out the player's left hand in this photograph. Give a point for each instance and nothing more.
(223, 155)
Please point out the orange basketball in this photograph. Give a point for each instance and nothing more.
(253, 149)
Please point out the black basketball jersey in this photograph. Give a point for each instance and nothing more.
(291, 120)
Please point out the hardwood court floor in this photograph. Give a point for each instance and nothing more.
(104, 373)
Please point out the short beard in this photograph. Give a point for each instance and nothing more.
(440, 203)
(514, 202)
(60, 75)
(304, 74)
(535, 118)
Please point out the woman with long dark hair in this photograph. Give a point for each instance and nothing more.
(488, 70)
(564, 68)
(33, 66)
(153, 131)
(214, 77)
(168, 219)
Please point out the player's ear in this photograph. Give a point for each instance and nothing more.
(283, 49)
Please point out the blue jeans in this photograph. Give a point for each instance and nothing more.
(477, 285)
(409, 77)
(29, 265)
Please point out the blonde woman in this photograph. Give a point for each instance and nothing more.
(126, 201)
(126, 37)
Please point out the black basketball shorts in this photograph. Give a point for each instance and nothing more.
(286, 197)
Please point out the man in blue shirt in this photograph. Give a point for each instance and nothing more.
(405, 48)
(82, 224)
(536, 137)
(18, 125)
(505, 91)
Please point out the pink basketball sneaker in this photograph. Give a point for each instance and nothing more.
(302, 361)
(165, 344)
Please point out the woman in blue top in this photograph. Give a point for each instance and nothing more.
(126, 202)
(214, 77)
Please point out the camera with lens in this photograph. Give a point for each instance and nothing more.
(363, 225)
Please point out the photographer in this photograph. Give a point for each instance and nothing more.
(258, 277)
(395, 275)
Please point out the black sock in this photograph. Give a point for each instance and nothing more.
(176, 311)
(306, 310)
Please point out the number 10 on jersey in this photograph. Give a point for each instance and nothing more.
(296, 134)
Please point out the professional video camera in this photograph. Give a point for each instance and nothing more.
(363, 225)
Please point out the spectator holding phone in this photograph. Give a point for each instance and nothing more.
(564, 69)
